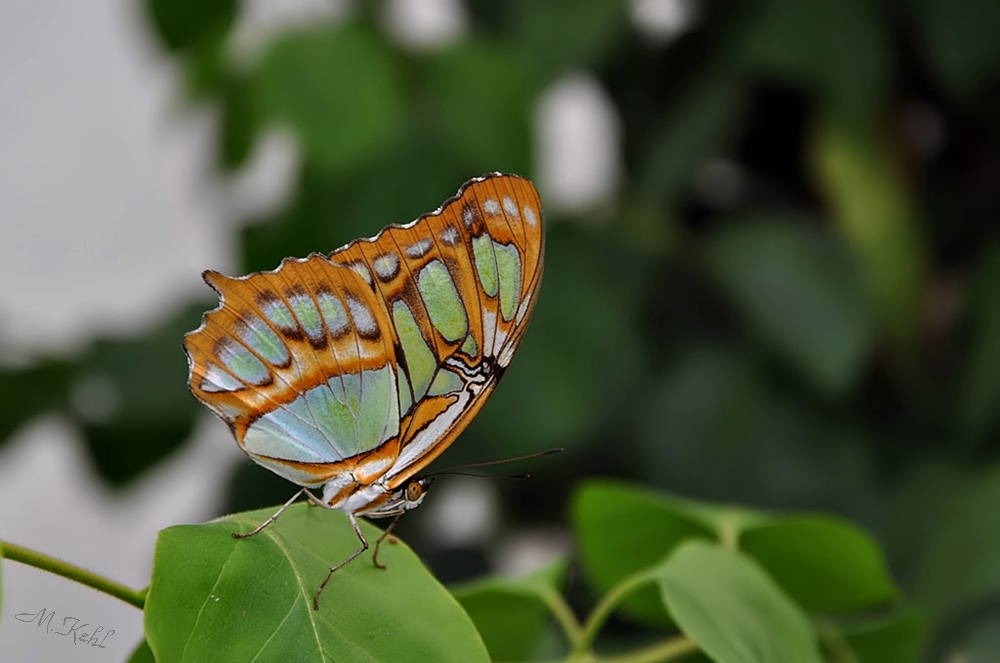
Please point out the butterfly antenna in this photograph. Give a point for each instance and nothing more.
(457, 469)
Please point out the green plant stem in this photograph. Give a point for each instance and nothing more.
(835, 644)
(564, 615)
(66, 570)
(603, 610)
(729, 535)
(668, 650)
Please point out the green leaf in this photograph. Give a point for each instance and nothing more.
(561, 35)
(876, 214)
(131, 398)
(980, 395)
(826, 564)
(239, 123)
(184, 23)
(899, 637)
(837, 49)
(142, 654)
(338, 88)
(960, 37)
(252, 599)
(714, 427)
(483, 103)
(799, 293)
(622, 529)
(28, 391)
(695, 128)
(961, 566)
(731, 608)
(511, 614)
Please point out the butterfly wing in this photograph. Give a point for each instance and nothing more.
(367, 364)
(461, 284)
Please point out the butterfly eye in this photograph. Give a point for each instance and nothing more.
(414, 491)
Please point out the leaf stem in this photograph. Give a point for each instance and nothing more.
(67, 570)
(564, 615)
(669, 650)
(603, 610)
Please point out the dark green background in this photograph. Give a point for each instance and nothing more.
(831, 340)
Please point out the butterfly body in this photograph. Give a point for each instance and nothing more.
(352, 371)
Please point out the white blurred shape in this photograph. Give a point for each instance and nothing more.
(425, 24)
(266, 183)
(55, 505)
(662, 21)
(102, 222)
(719, 184)
(462, 511)
(579, 144)
(259, 21)
(531, 550)
(95, 398)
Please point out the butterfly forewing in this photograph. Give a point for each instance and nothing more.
(367, 364)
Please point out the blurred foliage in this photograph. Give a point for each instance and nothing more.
(826, 337)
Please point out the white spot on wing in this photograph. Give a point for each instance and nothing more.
(491, 207)
(364, 321)
(419, 249)
(509, 206)
(217, 380)
(489, 330)
(429, 436)
(468, 215)
(523, 309)
(362, 270)
(386, 266)
(498, 341)
(449, 236)
(529, 214)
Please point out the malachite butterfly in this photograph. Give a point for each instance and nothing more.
(353, 371)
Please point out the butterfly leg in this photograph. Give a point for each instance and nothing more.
(237, 535)
(382, 538)
(364, 547)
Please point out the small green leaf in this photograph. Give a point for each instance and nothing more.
(729, 606)
(622, 529)
(800, 294)
(142, 654)
(960, 570)
(338, 88)
(184, 23)
(252, 598)
(512, 614)
(826, 564)
(960, 39)
(26, 392)
(980, 400)
(136, 389)
(876, 214)
(805, 43)
(899, 637)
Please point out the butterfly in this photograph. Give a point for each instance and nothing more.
(353, 371)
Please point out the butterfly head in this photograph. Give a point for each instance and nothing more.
(410, 496)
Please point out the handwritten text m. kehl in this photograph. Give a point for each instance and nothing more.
(82, 634)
